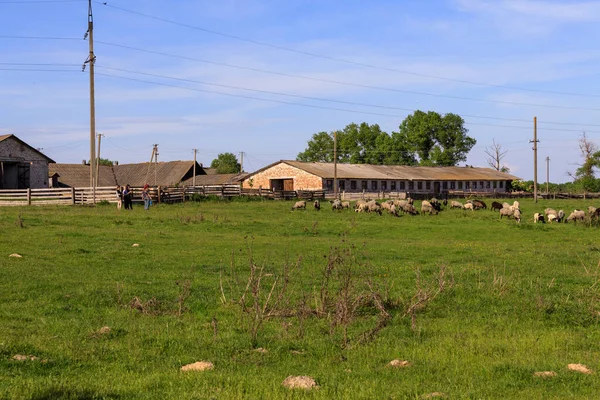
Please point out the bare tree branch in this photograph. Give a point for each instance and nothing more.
(496, 155)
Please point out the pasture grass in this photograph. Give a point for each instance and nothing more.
(521, 298)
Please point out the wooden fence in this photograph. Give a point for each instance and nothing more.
(83, 196)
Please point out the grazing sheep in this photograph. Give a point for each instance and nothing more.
(506, 212)
(517, 215)
(374, 207)
(496, 206)
(456, 204)
(358, 204)
(387, 205)
(317, 205)
(576, 215)
(551, 217)
(591, 210)
(410, 209)
(551, 211)
(505, 205)
(516, 205)
(336, 204)
(346, 205)
(300, 205)
(537, 217)
(469, 206)
(393, 210)
(479, 204)
(435, 203)
(400, 203)
(362, 207)
(561, 216)
(426, 207)
(410, 201)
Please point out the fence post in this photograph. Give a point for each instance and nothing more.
(28, 196)
(158, 195)
(73, 196)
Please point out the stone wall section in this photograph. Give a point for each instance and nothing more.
(38, 173)
(302, 179)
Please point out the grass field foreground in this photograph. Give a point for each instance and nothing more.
(475, 304)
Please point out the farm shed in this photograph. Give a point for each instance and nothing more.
(22, 166)
(299, 175)
(166, 174)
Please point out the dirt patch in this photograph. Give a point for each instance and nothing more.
(105, 330)
(198, 366)
(544, 374)
(15, 255)
(261, 350)
(22, 357)
(580, 368)
(297, 352)
(300, 382)
(399, 364)
(434, 395)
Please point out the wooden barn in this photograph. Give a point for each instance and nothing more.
(297, 175)
(22, 166)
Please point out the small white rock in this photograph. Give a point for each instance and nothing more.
(135, 245)
(15, 255)
(198, 366)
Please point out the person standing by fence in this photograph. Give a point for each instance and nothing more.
(127, 195)
(119, 194)
(146, 197)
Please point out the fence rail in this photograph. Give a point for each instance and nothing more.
(86, 195)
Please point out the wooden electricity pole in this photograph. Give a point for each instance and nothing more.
(91, 60)
(335, 183)
(547, 175)
(535, 142)
(194, 178)
(241, 161)
(97, 179)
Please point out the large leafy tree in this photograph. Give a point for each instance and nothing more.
(425, 138)
(437, 139)
(226, 163)
(585, 175)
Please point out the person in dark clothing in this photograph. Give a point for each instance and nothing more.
(128, 198)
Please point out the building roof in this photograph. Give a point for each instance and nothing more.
(78, 175)
(168, 173)
(216, 179)
(4, 137)
(399, 172)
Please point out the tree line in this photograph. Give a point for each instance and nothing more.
(423, 138)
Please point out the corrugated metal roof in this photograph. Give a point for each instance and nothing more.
(399, 172)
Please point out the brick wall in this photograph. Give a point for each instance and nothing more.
(38, 173)
(302, 179)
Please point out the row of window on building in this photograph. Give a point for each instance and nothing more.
(412, 185)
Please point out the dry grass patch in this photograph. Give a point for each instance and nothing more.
(261, 350)
(580, 368)
(300, 382)
(198, 366)
(434, 395)
(22, 357)
(15, 255)
(544, 374)
(399, 363)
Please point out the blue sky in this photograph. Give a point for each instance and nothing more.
(547, 47)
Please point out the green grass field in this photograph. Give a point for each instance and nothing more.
(516, 299)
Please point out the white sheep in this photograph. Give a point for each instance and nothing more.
(468, 206)
(456, 204)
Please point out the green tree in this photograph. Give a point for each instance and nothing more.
(437, 139)
(320, 148)
(104, 161)
(226, 163)
(585, 175)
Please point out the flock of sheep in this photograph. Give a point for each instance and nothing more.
(434, 206)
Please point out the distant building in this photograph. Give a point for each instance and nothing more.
(298, 175)
(22, 166)
(164, 174)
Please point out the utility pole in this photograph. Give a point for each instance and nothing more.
(241, 161)
(91, 61)
(335, 183)
(194, 178)
(535, 142)
(99, 135)
(547, 175)
(155, 152)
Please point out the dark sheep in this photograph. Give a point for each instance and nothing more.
(479, 204)
(496, 206)
(317, 205)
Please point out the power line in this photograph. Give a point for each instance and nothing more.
(312, 105)
(342, 60)
(340, 82)
(38, 37)
(361, 104)
(287, 94)
(38, 1)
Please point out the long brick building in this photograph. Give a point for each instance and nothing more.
(298, 175)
